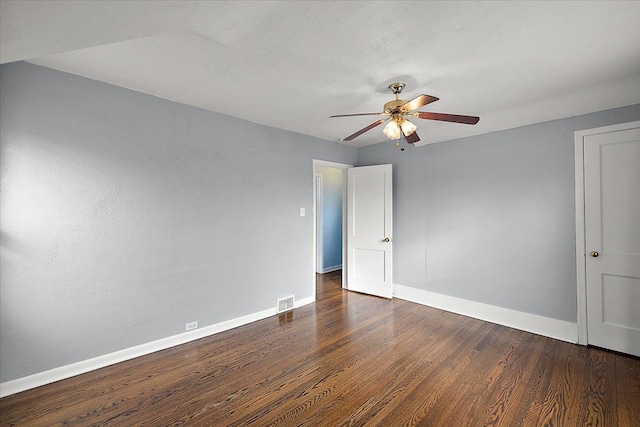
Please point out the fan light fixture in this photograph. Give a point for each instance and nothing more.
(392, 130)
(407, 127)
(395, 128)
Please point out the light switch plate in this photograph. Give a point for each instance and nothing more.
(302, 212)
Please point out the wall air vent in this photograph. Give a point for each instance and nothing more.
(284, 304)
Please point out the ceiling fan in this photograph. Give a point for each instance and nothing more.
(396, 111)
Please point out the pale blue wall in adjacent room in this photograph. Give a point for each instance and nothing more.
(331, 217)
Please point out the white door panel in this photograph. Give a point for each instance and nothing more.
(612, 229)
(368, 264)
(369, 230)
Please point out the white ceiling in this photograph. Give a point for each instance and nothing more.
(292, 64)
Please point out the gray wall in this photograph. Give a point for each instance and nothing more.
(491, 218)
(331, 216)
(124, 216)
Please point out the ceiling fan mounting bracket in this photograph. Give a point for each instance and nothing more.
(397, 87)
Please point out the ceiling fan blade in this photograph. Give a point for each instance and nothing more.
(357, 114)
(413, 138)
(417, 102)
(363, 130)
(455, 118)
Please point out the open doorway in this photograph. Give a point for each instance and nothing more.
(329, 218)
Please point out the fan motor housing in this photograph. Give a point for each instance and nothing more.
(392, 107)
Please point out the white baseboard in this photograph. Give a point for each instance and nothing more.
(330, 269)
(546, 326)
(41, 378)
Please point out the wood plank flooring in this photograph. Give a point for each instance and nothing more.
(350, 360)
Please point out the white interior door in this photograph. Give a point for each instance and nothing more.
(369, 230)
(612, 239)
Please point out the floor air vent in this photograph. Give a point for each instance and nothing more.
(284, 304)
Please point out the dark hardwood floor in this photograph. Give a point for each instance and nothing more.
(350, 359)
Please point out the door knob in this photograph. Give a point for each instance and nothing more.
(594, 254)
(386, 240)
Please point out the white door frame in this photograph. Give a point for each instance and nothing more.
(343, 166)
(581, 250)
